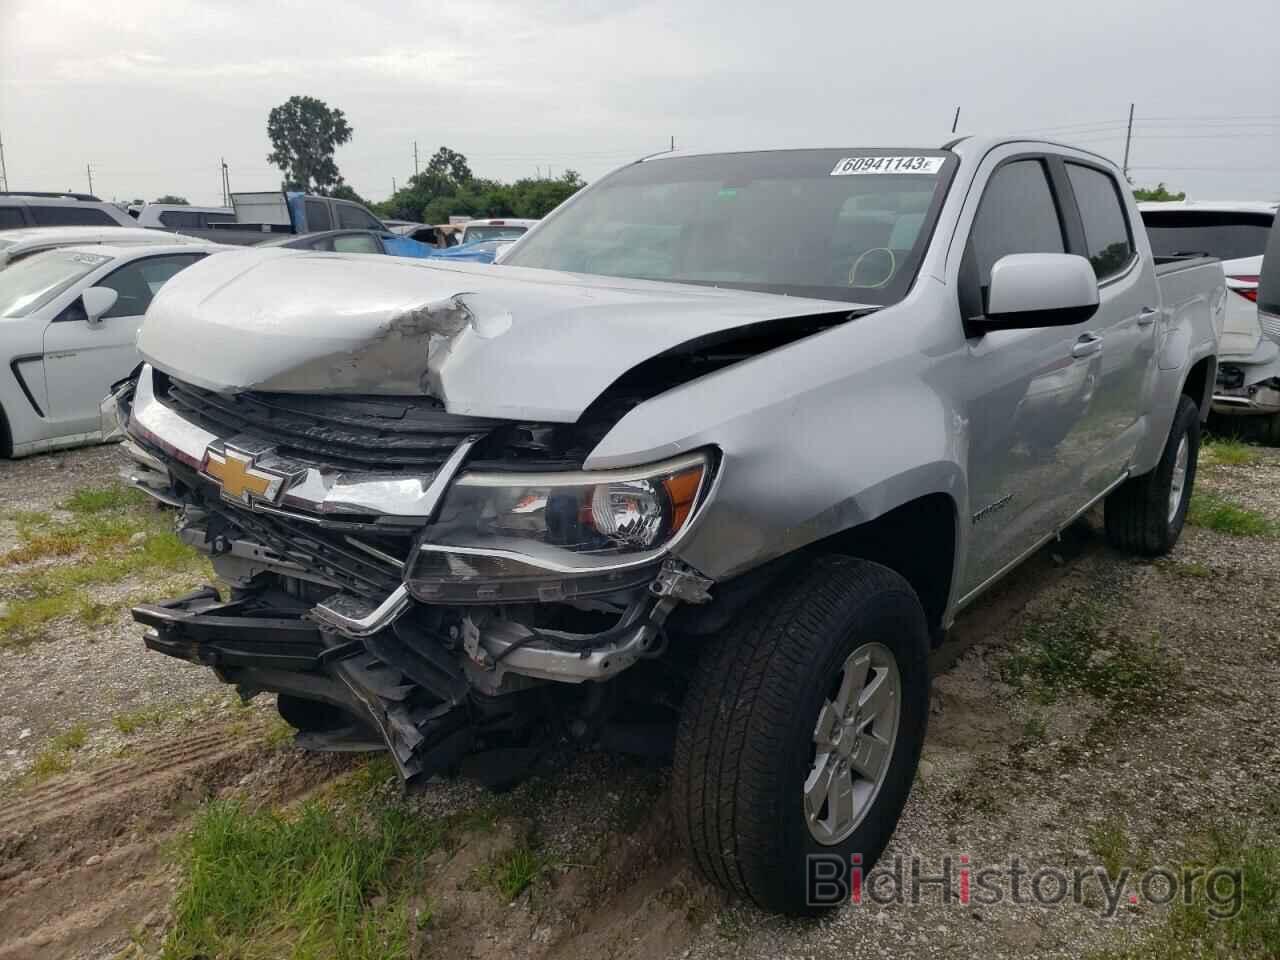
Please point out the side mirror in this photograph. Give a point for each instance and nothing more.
(1039, 290)
(97, 301)
(1269, 275)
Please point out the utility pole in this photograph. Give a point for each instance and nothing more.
(415, 158)
(1128, 137)
(4, 174)
(673, 142)
(393, 185)
(955, 121)
(88, 168)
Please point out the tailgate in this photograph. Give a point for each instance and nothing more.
(271, 206)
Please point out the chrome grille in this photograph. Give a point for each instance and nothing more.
(363, 434)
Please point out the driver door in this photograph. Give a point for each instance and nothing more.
(82, 360)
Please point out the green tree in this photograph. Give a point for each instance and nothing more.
(304, 133)
(448, 188)
(170, 198)
(343, 191)
(1158, 192)
(451, 164)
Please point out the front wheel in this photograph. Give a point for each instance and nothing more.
(801, 733)
(1145, 514)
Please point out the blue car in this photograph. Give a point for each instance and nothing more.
(482, 251)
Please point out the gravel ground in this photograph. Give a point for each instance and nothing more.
(1068, 780)
(88, 674)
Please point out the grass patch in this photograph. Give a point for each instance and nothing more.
(1110, 844)
(513, 872)
(135, 720)
(56, 757)
(315, 883)
(102, 537)
(1243, 927)
(1035, 729)
(1073, 653)
(1215, 513)
(1187, 569)
(100, 499)
(1228, 451)
(73, 738)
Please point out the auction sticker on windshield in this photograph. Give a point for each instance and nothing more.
(849, 166)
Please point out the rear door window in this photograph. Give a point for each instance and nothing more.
(70, 215)
(1106, 228)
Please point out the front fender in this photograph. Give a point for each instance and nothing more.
(815, 438)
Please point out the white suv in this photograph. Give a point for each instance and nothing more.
(17, 210)
(1236, 233)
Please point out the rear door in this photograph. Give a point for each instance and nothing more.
(81, 361)
(1124, 327)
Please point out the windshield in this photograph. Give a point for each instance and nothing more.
(31, 283)
(478, 234)
(1225, 235)
(834, 224)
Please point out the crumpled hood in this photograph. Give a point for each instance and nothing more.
(488, 341)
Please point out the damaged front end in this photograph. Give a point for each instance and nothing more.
(444, 585)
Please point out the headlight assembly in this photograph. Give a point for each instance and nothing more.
(508, 537)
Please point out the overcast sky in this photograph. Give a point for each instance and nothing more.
(153, 92)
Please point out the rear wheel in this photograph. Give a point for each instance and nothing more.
(1145, 515)
(802, 730)
(1269, 429)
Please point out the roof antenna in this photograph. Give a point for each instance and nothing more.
(657, 153)
(956, 121)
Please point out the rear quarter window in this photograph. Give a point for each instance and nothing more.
(11, 217)
(70, 216)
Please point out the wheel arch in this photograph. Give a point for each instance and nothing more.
(1198, 384)
(6, 436)
(918, 540)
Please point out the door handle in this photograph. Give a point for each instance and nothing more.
(1086, 346)
(1147, 316)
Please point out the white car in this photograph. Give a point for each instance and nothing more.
(500, 228)
(1236, 233)
(16, 245)
(175, 216)
(69, 320)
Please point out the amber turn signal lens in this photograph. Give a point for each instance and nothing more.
(682, 488)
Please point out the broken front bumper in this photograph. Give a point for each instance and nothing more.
(259, 649)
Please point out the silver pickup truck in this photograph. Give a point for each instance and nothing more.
(670, 480)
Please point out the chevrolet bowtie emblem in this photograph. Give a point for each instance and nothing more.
(240, 479)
